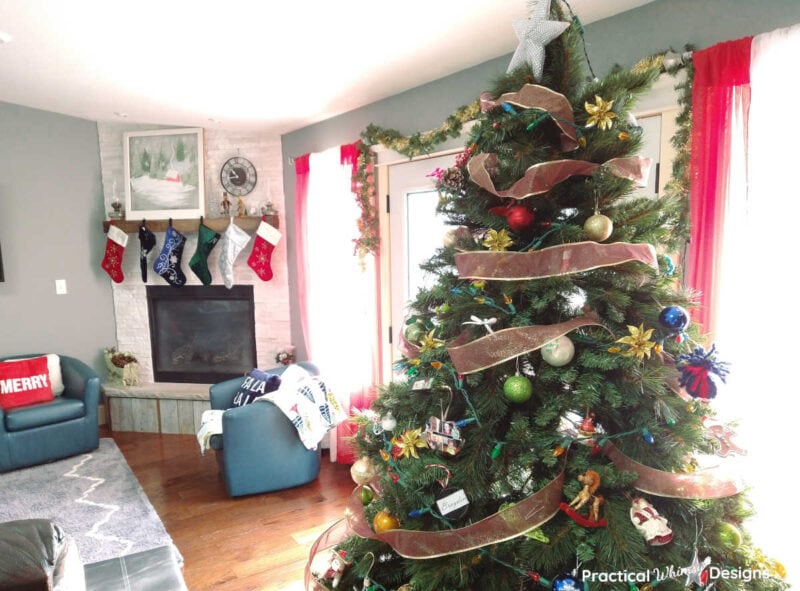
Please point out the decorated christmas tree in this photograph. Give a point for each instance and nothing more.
(552, 424)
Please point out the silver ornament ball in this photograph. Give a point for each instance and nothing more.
(363, 470)
(558, 352)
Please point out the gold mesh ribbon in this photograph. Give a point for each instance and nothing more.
(532, 96)
(541, 177)
(563, 259)
(530, 513)
(703, 484)
(504, 525)
(509, 343)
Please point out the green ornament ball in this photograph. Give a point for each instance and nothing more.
(414, 332)
(366, 495)
(518, 389)
(730, 536)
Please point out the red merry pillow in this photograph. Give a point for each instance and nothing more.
(24, 382)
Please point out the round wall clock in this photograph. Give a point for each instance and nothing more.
(238, 176)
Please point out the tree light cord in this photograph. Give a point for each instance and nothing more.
(538, 241)
(460, 387)
(578, 25)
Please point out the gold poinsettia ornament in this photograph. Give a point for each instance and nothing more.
(497, 241)
(600, 113)
(638, 341)
(429, 343)
(405, 445)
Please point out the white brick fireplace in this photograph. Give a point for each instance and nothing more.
(272, 309)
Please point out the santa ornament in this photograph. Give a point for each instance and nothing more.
(331, 568)
(649, 523)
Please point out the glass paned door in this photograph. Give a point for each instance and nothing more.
(416, 231)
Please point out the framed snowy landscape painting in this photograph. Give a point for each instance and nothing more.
(164, 174)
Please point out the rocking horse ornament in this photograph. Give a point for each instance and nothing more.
(591, 482)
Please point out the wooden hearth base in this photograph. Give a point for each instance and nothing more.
(156, 408)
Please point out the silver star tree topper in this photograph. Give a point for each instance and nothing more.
(534, 33)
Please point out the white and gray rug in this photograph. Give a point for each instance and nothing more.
(94, 497)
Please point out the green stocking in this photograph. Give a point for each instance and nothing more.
(206, 239)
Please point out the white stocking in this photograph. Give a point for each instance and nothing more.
(234, 239)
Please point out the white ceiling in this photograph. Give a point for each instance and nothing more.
(264, 65)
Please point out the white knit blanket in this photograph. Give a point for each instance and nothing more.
(303, 398)
(210, 424)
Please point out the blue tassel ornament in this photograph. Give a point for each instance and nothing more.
(702, 375)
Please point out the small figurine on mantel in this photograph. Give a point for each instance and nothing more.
(268, 209)
(242, 209)
(226, 204)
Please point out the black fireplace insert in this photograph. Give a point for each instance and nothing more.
(201, 334)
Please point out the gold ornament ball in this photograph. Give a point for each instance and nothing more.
(363, 470)
(385, 521)
(778, 568)
(406, 587)
(598, 227)
(558, 352)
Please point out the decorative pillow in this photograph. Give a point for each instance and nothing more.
(255, 384)
(308, 404)
(24, 382)
(53, 368)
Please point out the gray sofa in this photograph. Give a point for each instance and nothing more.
(37, 555)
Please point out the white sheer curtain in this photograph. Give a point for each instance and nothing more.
(758, 327)
(340, 295)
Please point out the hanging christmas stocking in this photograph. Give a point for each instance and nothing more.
(206, 240)
(234, 239)
(115, 248)
(260, 258)
(147, 241)
(168, 263)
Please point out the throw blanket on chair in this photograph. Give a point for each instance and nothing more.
(307, 402)
(210, 424)
(303, 398)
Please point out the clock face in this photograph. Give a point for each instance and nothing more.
(238, 176)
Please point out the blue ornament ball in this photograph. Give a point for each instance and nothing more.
(674, 318)
(567, 582)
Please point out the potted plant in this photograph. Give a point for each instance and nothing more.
(123, 368)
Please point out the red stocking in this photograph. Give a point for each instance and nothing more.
(261, 257)
(115, 247)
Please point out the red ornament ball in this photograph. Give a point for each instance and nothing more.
(519, 218)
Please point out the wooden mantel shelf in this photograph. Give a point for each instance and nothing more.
(248, 223)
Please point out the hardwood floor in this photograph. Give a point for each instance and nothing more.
(254, 543)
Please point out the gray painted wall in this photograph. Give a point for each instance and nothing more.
(651, 28)
(51, 212)
(622, 39)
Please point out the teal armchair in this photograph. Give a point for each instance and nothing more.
(259, 449)
(47, 431)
